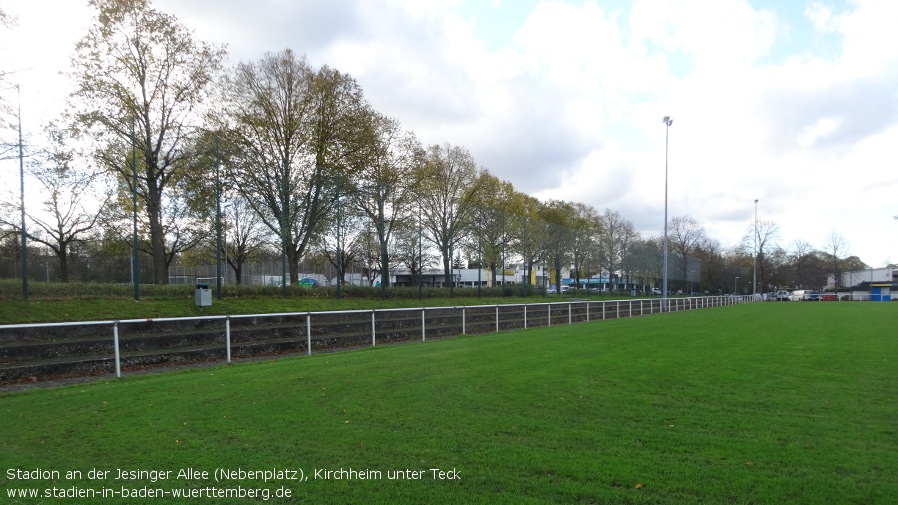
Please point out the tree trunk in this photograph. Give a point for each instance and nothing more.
(63, 264)
(157, 235)
(447, 266)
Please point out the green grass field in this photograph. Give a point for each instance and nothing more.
(767, 403)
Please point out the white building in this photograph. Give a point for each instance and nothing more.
(471, 277)
(870, 275)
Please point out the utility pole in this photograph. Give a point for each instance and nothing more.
(667, 121)
(754, 276)
(22, 188)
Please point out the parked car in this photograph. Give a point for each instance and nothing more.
(782, 295)
(804, 295)
(829, 297)
(656, 291)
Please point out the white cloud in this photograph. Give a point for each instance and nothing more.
(570, 106)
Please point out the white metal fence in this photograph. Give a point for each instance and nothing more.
(166, 341)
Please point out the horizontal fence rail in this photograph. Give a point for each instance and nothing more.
(32, 352)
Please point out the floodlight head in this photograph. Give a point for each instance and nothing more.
(667, 120)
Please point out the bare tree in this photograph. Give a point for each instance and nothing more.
(713, 266)
(140, 77)
(765, 239)
(803, 259)
(294, 131)
(6, 148)
(384, 190)
(686, 235)
(835, 250)
(615, 235)
(72, 206)
(528, 233)
(448, 195)
(586, 227)
(345, 241)
(244, 236)
(407, 250)
(495, 202)
(558, 217)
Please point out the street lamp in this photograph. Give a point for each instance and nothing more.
(217, 220)
(135, 258)
(22, 193)
(754, 276)
(667, 122)
(420, 254)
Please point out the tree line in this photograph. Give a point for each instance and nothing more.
(160, 140)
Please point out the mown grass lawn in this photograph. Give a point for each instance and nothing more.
(760, 403)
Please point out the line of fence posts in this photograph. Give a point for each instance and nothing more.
(674, 305)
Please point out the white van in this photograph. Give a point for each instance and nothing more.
(804, 295)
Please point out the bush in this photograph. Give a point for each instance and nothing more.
(12, 289)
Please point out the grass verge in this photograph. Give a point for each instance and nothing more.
(91, 302)
(759, 403)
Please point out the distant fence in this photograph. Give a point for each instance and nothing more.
(32, 352)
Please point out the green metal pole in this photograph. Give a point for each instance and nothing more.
(217, 222)
(135, 262)
(479, 251)
(339, 258)
(451, 268)
(384, 267)
(284, 232)
(22, 189)
(420, 254)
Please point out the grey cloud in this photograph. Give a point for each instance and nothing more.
(251, 29)
(859, 108)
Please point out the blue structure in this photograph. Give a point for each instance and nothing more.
(880, 292)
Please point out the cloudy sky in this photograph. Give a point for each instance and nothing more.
(789, 102)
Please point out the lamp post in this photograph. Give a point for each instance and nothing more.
(217, 220)
(337, 252)
(22, 194)
(667, 122)
(420, 254)
(135, 258)
(735, 283)
(283, 217)
(754, 276)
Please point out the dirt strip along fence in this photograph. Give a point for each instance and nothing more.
(37, 352)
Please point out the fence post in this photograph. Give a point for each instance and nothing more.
(569, 320)
(309, 333)
(525, 316)
(497, 318)
(587, 311)
(603, 311)
(118, 361)
(423, 330)
(630, 308)
(373, 331)
(228, 336)
(549, 313)
(463, 325)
